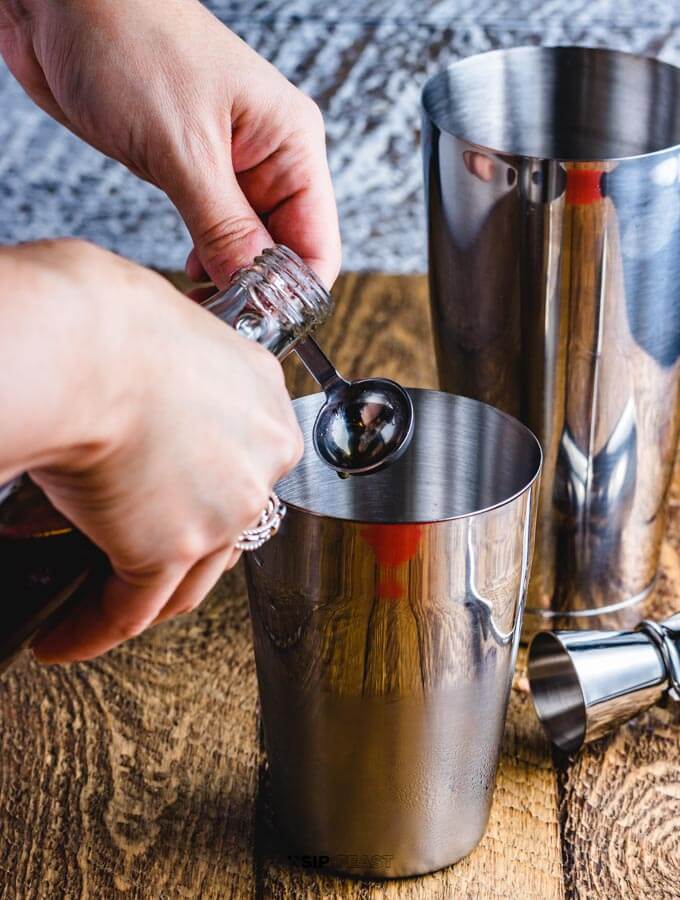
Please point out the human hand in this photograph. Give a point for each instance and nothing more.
(170, 92)
(177, 430)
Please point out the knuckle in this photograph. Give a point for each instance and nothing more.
(221, 238)
(253, 502)
(292, 448)
(314, 113)
(123, 623)
(129, 627)
(188, 546)
(287, 446)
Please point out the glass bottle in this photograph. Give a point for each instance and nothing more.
(48, 566)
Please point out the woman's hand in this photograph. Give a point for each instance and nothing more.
(175, 430)
(185, 104)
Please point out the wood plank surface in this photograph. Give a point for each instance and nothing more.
(135, 775)
(141, 774)
(620, 796)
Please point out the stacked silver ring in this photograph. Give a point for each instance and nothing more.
(267, 526)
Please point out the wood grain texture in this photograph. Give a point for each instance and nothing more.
(140, 775)
(620, 797)
(135, 775)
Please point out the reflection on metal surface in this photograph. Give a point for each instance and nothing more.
(553, 192)
(365, 424)
(584, 683)
(386, 617)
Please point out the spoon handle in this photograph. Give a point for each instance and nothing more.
(319, 366)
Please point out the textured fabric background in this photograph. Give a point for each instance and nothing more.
(364, 62)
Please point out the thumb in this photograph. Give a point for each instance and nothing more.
(226, 231)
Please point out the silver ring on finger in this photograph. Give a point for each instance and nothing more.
(267, 526)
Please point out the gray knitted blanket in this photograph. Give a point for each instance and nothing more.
(364, 61)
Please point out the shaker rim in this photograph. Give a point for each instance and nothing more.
(514, 422)
(534, 50)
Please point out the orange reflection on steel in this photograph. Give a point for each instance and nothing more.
(393, 546)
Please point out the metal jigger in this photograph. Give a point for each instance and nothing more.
(585, 683)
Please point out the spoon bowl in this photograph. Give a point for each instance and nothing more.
(361, 428)
(364, 425)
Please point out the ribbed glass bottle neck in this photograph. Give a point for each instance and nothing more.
(276, 301)
(280, 283)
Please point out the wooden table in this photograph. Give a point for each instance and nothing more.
(139, 775)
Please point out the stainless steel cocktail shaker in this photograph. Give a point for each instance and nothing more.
(553, 198)
(386, 617)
